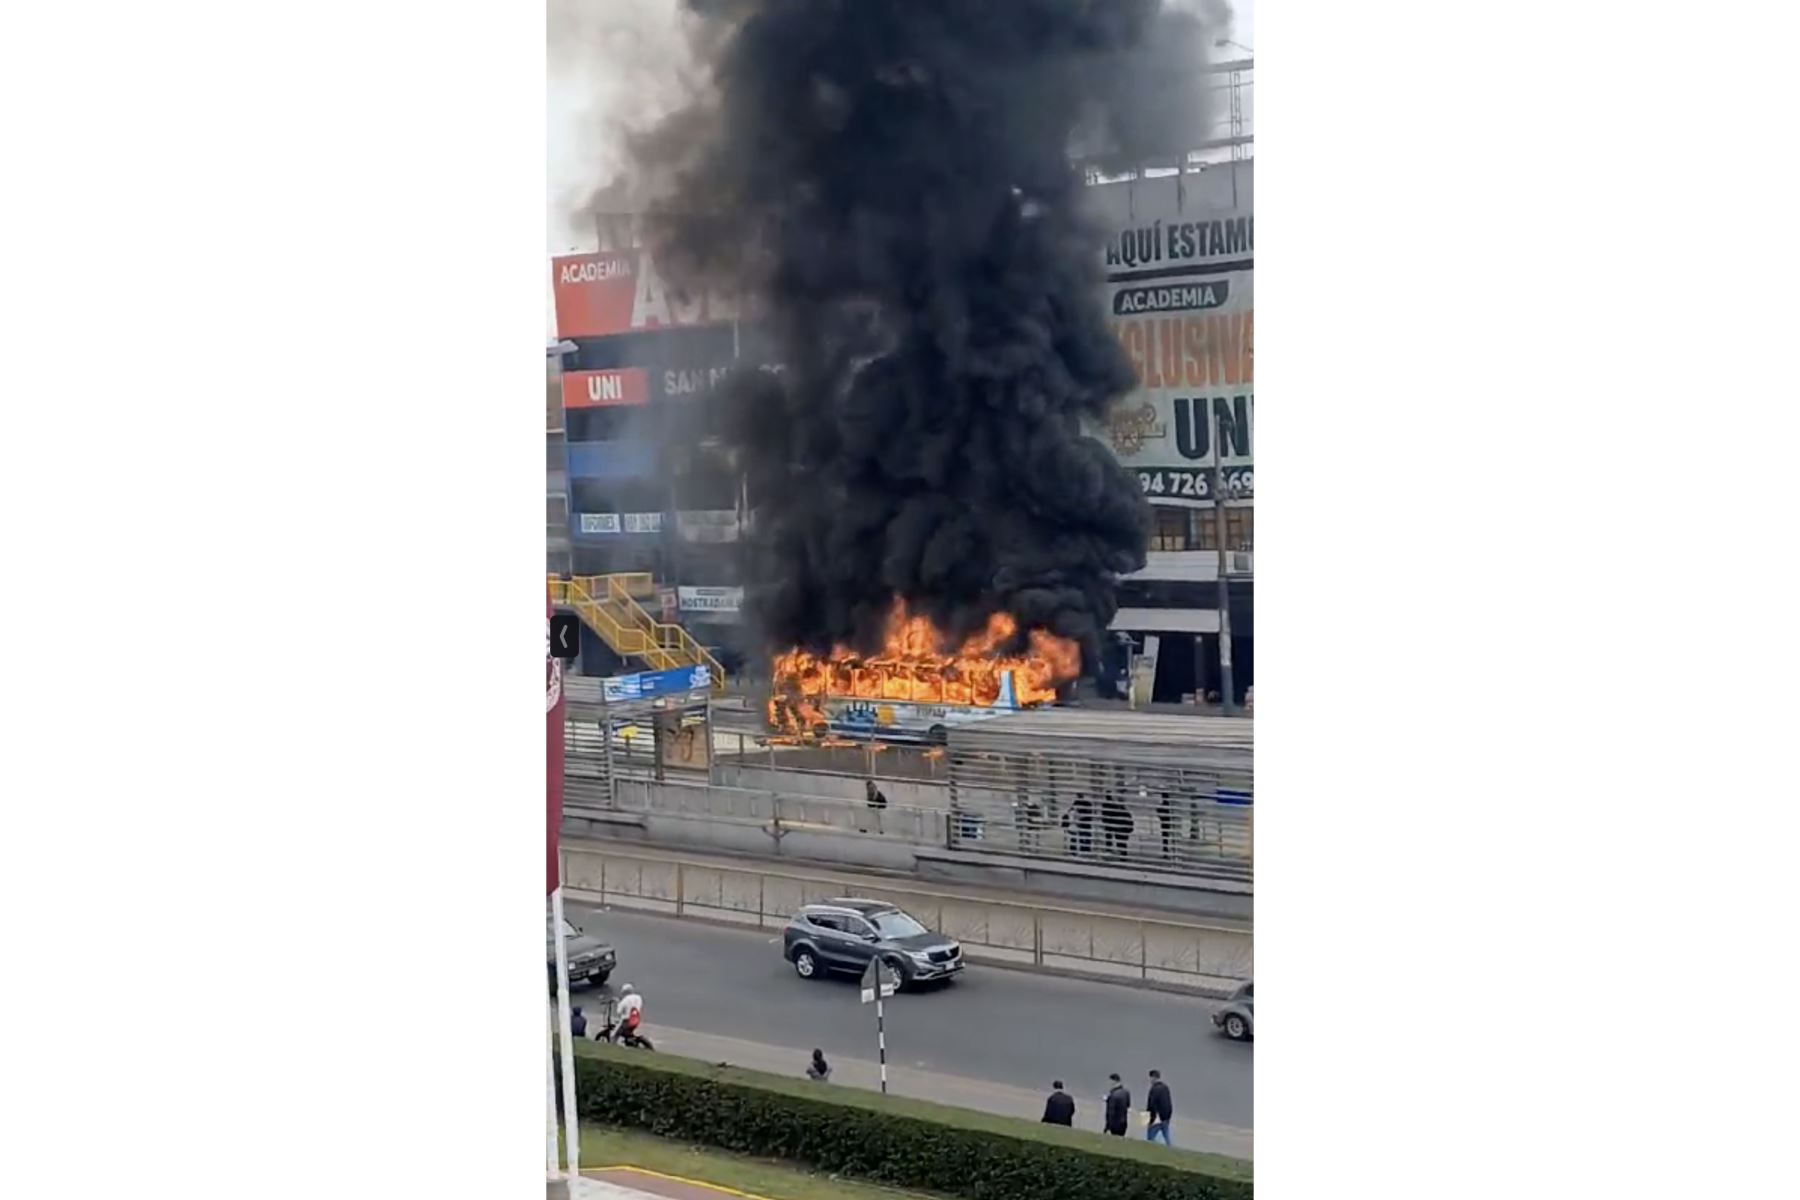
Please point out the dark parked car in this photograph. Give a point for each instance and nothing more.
(844, 935)
(1236, 1019)
(590, 959)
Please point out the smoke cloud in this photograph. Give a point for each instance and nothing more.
(613, 72)
(889, 184)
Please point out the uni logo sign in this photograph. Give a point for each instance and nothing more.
(600, 389)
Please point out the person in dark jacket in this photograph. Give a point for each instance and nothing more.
(1078, 825)
(1116, 824)
(1118, 1107)
(1167, 818)
(1161, 1107)
(1059, 1109)
(577, 1023)
(878, 802)
(818, 1070)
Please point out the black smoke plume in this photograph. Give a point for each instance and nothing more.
(893, 185)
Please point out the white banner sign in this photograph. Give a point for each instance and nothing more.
(1179, 289)
(596, 523)
(711, 599)
(650, 522)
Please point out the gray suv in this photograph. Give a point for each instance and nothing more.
(844, 935)
(590, 959)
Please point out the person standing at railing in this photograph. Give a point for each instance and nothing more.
(1028, 818)
(1168, 819)
(1116, 821)
(1078, 826)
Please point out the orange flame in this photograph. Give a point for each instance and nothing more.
(912, 666)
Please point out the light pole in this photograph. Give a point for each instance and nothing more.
(1227, 688)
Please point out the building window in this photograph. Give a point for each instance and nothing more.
(1240, 529)
(1174, 529)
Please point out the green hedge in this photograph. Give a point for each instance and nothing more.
(886, 1139)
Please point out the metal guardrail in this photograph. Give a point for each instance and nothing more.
(868, 760)
(1130, 808)
(1213, 838)
(678, 798)
(1204, 957)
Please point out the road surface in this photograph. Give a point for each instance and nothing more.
(994, 1039)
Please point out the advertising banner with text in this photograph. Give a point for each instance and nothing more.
(711, 599)
(594, 524)
(599, 389)
(621, 291)
(1179, 270)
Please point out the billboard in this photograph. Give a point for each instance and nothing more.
(711, 599)
(1179, 263)
(621, 291)
(601, 389)
(647, 685)
(622, 459)
(598, 524)
(593, 292)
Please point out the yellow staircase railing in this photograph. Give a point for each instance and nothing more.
(608, 604)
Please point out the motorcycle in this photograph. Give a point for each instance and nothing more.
(637, 1041)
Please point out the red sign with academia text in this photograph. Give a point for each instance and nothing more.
(594, 293)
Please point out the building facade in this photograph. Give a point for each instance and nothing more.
(639, 481)
(1180, 259)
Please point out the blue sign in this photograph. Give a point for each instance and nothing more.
(647, 685)
(611, 460)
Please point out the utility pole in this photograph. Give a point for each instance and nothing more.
(1227, 692)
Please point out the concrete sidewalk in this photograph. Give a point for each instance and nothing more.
(903, 1080)
(633, 1183)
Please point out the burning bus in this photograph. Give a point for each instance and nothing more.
(912, 689)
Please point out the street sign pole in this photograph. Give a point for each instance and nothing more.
(878, 983)
(881, 1040)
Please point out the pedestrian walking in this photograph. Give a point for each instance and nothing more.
(1165, 816)
(577, 1023)
(1160, 1105)
(877, 801)
(818, 1070)
(1118, 1107)
(1059, 1109)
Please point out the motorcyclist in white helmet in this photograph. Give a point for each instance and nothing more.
(630, 1015)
